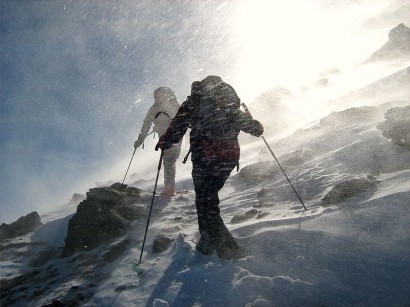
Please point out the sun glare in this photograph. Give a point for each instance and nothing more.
(273, 38)
(289, 43)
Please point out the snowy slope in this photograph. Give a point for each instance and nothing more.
(355, 253)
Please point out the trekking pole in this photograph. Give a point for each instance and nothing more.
(129, 165)
(150, 209)
(277, 161)
(287, 178)
(133, 156)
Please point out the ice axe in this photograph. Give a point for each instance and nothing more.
(277, 161)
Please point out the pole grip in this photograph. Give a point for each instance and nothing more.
(245, 108)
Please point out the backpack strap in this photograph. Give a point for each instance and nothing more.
(196, 93)
(186, 157)
(159, 113)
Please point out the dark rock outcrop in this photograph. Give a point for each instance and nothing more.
(105, 214)
(398, 45)
(258, 172)
(161, 243)
(348, 189)
(22, 226)
(397, 126)
(116, 250)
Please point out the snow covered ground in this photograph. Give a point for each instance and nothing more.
(84, 101)
(354, 253)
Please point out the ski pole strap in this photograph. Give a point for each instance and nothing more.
(245, 108)
(186, 157)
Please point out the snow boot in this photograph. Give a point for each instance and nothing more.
(169, 191)
(230, 253)
(206, 244)
(226, 245)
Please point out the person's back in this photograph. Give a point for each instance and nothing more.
(163, 110)
(212, 112)
(218, 120)
(215, 114)
(160, 115)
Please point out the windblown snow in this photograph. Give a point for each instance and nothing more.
(352, 253)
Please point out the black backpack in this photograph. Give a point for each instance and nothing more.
(216, 106)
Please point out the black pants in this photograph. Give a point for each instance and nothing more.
(209, 177)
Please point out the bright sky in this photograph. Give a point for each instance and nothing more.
(291, 42)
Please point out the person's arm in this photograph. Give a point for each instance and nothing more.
(178, 126)
(248, 124)
(146, 126)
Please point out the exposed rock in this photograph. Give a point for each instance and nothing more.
(129, 212)
(9, 283)
(116, 250)
(161, 243)
(43, 256)
(397, 126)
(373, 175)
(239, 218)
(398, 45)
(104, 215)
(257, 172)
(22, 226)
(269, 197)
(348, 189)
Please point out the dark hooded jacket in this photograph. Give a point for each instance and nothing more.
(223, 144)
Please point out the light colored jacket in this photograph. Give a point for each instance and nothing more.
(165, 112)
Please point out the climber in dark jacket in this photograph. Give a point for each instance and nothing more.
(214, 116)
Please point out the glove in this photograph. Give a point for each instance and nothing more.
(257, 128)
(138, 142)
(161, 144)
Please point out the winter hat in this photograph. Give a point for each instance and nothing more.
(163, 93)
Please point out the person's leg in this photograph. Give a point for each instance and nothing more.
(170, 157)
(205, 245)
(206, 186)
(209, 177)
